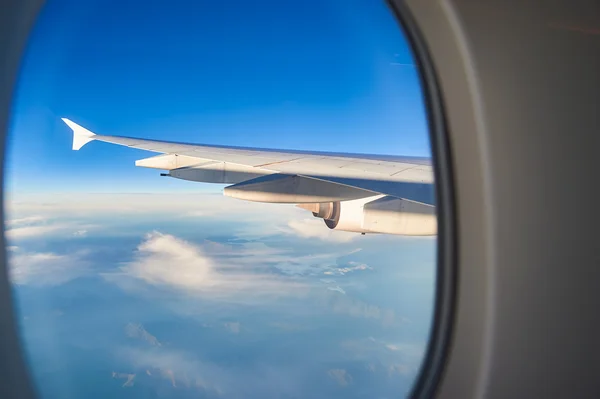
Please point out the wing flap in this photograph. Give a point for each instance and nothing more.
(217, 172)
(288, 189)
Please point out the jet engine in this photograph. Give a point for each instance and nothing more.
(377, 214)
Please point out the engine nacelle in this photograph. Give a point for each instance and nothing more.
(378, 214)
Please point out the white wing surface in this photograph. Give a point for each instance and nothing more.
(283, 176)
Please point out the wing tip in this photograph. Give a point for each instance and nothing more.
(81, 136)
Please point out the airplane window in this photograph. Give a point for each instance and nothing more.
(217, 199)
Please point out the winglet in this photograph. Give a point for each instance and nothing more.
(81, 136)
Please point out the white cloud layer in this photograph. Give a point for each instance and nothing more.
(27, 220)
(259, 219)
(33, 231)
(164, 260)
(201, 205)
(40, 225)
(45, 268)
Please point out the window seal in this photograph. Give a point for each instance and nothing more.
(443, 318)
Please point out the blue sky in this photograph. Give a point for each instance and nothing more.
(300, 75)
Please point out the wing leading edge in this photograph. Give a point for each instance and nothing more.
(284, 176)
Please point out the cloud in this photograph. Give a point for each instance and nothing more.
(136, 330)
(200, 205)
(340, 376)
(315, 228)
(28, 220)
(325, 263)
(337, 288)
(45, 268)
(405, 64)
(352, 266)
(218, 269)
(163, 260)
(179, 368)
(186, 371)
(235, 274)
(128, 377)
(38, 225)
(32, 231)
(410, 350)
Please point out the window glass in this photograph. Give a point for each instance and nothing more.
(132, 284)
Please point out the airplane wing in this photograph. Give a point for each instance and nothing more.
(311, 179)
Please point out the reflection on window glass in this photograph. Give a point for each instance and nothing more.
(240, 272)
